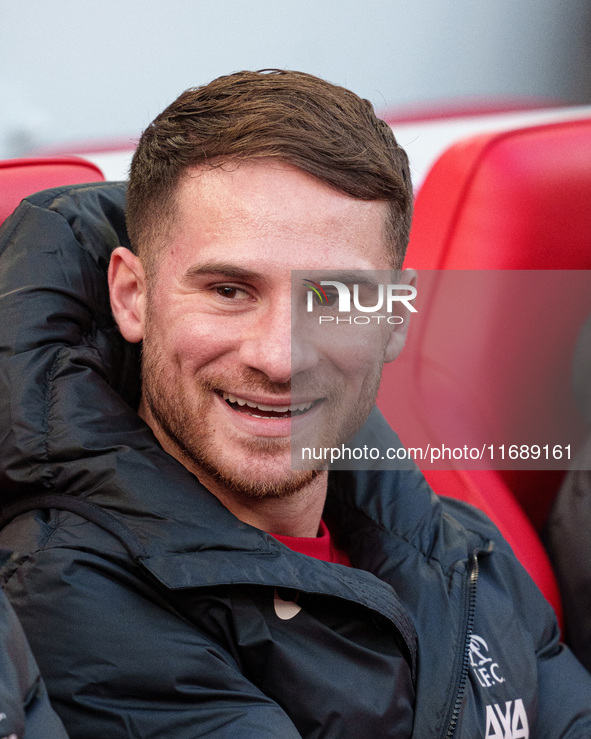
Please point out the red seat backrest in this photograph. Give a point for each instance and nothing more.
(22, 177)
(510, 200)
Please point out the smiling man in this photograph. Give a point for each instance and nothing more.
(215, 318)
(176, 576)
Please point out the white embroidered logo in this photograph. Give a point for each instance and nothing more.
(486, 671)
(285, 609)
(509, 722)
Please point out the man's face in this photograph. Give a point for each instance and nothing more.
(219, 360)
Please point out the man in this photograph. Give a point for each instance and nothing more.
(176, 576)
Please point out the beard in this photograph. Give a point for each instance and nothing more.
(180, 416)
(184, 421)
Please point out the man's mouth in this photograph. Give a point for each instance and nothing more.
(260, 410)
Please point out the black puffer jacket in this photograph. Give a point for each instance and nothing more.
(155, 613)
(25, 712)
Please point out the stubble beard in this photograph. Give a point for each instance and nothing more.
(184, 422)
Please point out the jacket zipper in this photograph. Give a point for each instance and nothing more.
(472, 582)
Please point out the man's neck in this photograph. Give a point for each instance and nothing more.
(297, 514)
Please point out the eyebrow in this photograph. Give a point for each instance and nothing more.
(223, 269)
(349, 277)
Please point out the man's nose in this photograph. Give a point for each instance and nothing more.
(275, 347)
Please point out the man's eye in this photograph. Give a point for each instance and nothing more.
(231, 293)
(326, 298)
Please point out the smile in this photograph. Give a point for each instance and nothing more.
(261, 410)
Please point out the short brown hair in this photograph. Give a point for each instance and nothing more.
(321, 128)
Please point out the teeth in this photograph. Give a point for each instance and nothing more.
(302, 407)
(277, 408)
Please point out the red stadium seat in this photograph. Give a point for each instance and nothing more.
(511, 200)
(506, 201)
(22, 177)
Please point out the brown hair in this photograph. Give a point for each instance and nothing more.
(321, 128)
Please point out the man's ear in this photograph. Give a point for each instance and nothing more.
(127, 288)
(398, 335)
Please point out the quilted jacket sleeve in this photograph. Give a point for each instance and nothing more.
(564, 693)
(564, 685)
(25, 711)
(120, 662)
